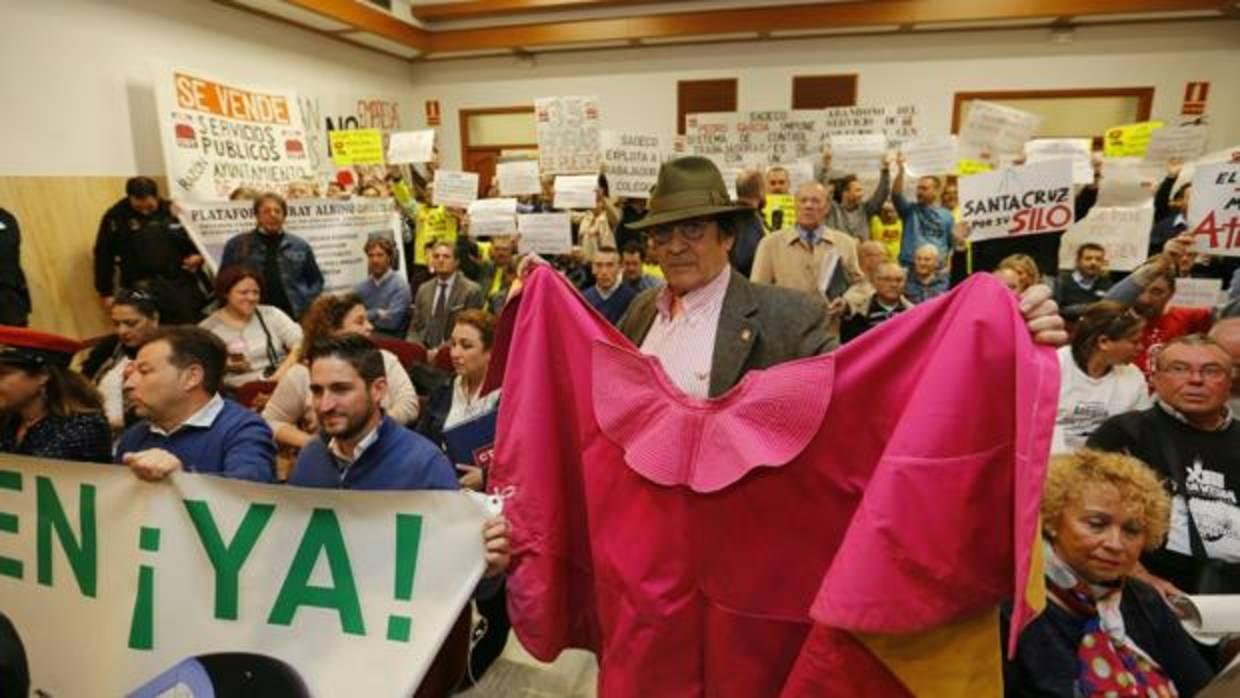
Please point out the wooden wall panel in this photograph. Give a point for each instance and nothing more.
(59, 217)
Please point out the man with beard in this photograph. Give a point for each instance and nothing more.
(142, 237)
(1149, 290)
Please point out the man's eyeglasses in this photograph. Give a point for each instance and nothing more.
(1209, 372)
(692, 231)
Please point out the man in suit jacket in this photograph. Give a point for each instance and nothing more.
(439, 299)
(709, 325)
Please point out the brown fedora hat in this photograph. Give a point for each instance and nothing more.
(689, 187)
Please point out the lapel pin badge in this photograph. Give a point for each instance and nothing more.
(746, 335)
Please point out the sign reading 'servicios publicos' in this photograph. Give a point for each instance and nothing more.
(218, 136)
(199, 584)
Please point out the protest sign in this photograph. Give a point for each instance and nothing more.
(363, 146)
(519, 178)
(991, 130)
(632, 162)
(491, 217)
(1024, 200)
(545, 233)
(1075, 149)
(1214, 209)
(568, 134)
(343, 111)
(336, 230)
(219, 136)
(1129, 140)
(117, 586)
(1197, 293)
(1181, 143)
(576, 192)
(967, 167)
(455, 189)
(411, 146)
(897, 123)
(754, 138)
(860, 155)
(930, 155)
(1128, 182)
(1124, 232)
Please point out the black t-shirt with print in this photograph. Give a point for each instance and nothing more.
(1210, 462)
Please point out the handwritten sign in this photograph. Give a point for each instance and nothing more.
(518, 178)
(411, 147)
(1124, 232)
(1214, 209)
(1128, 182)
(1197, 293)
(991, 130)
(568, 134)
(897, 123)
(491, 217)
(362, 146)
(632, 161)
(455, 189)
(1181, 143)
(1024, 200)
(545, 233)
(860, 155)
(576, 191)
(748, 139)
(930, 155)
(1129, 140)
(1075, 149)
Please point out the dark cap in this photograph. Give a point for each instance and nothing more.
(34, 350)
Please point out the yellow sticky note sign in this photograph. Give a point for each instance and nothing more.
(972, 167)
(357, 147)
(780, 202)
(1129, 140)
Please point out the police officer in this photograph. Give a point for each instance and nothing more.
(141, 235)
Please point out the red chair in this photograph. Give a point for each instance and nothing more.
(443, 360)
(248, 393)
(409, 353)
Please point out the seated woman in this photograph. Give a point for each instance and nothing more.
(1096, 379)
(1023, 268)
(1103, 633)
(288, 411)
(259, 337)
(133, 315)
(462, 399)
(47, 410)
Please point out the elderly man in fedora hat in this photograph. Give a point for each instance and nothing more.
(709, 324)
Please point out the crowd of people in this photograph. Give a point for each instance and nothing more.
(1142, 503)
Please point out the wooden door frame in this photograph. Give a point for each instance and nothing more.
(464, 114)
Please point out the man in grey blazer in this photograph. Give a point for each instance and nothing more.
(709, 329)
(441, 297)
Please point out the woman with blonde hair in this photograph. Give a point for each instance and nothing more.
(1026, 269)
(1104, 632)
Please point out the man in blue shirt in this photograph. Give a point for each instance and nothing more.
(174, 386)
(609, 295)
(361, 448)
(384, 292)
(925, 222)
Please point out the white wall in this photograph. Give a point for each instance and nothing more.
(77, 76)
(637, 87)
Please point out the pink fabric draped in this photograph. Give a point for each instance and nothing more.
(891, 486)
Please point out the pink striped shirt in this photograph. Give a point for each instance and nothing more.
(682, 337)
